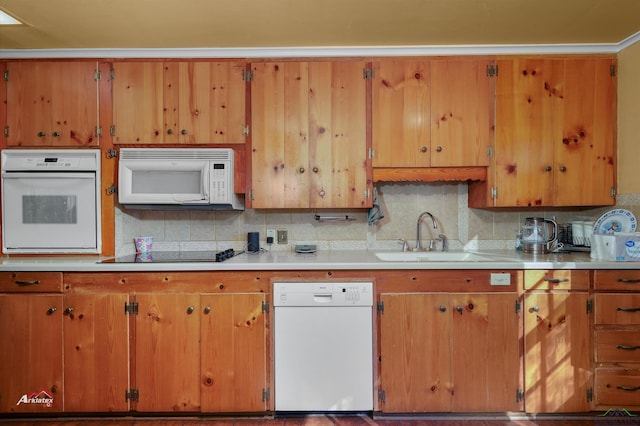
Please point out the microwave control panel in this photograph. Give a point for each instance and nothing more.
(220, 181)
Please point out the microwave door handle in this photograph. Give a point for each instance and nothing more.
(205, 183)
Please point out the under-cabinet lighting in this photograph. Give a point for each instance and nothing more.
(6, 19)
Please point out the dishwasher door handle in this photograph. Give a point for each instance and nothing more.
(322, 297)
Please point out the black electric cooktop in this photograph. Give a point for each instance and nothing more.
(175, 256)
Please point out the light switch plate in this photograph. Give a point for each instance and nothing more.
(500, 279)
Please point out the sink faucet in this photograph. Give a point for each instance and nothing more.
(419, 238)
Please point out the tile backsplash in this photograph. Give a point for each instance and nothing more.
(401, 204)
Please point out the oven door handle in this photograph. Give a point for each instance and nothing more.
(54, 175)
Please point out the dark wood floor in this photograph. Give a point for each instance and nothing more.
(311, 420)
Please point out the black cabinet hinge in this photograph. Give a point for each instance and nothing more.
(131, 308)
(132, 395)
(265, 307)
(97, 75)
(589, 306)
(112, 190)
(519, 395)
(112, 153)
(247, 75)
(368, 73)
(612, 70)
(6, 75)
(266, 394)
(492, 70)
(518, 306)
(380, 307)
(382, 396)
(590, 395)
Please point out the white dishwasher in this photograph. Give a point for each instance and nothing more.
(323, 346)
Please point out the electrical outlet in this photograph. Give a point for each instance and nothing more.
(271, 236)
(282, 236)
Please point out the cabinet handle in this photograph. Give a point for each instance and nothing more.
(190, 310)
(627, 348)
(628, 309)
(315, 170)
(56, 134)
(68, 310)
(423, 149)
(26, 283)
(169, 131)
(439, 149)
(50, 311)
(301, 169)
(42, 134)
(556, 280)
(629, 281)
(183, 131)
(628, 388)
(207, 310)
(548, 169)
(459, 309)
(563, 169)
(443, 308)
(535, 309)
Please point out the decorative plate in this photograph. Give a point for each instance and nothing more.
(615, 221)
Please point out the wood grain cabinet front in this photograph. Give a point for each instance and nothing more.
(30, 282)
(52, 104)
(181, 102)
(309, 135)
(444, 352)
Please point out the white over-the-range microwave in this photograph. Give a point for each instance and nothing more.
(200, 178)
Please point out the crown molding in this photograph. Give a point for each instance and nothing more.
(315, 52)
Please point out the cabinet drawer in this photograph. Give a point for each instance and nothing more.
(557, 279)
(617, 346)
(30, 282)
(617, 387)
(617, 280)
(617, 308)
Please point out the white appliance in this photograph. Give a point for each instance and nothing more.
(51, 201)
(155, 177)
(323, 346)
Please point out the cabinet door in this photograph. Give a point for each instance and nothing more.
(529, 106)
(557, 352)
(338, 135)
(462, 96)
(52, 104)
(584, 154)
(401, 113)
(485, 352)
(138, 102)
(233, 353)
(280, 135)
(204, 102)
(415, 352)
(167, 357)
(96, 348)
(31, 342)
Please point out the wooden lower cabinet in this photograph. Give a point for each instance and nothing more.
(443, 352)
(213, 345)
(557, 339)
(31, 357)
(96, 352)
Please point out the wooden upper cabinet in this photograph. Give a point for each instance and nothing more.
(462, 96)
(555, 132)
(52, 104)
(309, 135)
(432, 113)
(186, 102)
(402, 113)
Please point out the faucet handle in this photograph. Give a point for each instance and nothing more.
(432, 245)
(405, 244)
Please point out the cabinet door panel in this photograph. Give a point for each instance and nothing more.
(96, 347)
(31, 342)
(529, 101)
(167, 360)
(461, 118)
(587, 142)
(227, 105)
(137, 102)
(337, 134)
(401, 114)
(557, 352)
(415, 366)
(233, 353)
(485, 352)
(280, 122)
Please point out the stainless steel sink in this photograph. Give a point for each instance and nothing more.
(431, 256)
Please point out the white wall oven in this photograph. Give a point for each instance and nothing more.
(51, 201)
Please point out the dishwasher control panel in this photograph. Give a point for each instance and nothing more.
(351, 293)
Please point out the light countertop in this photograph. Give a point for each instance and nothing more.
(323, 260)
